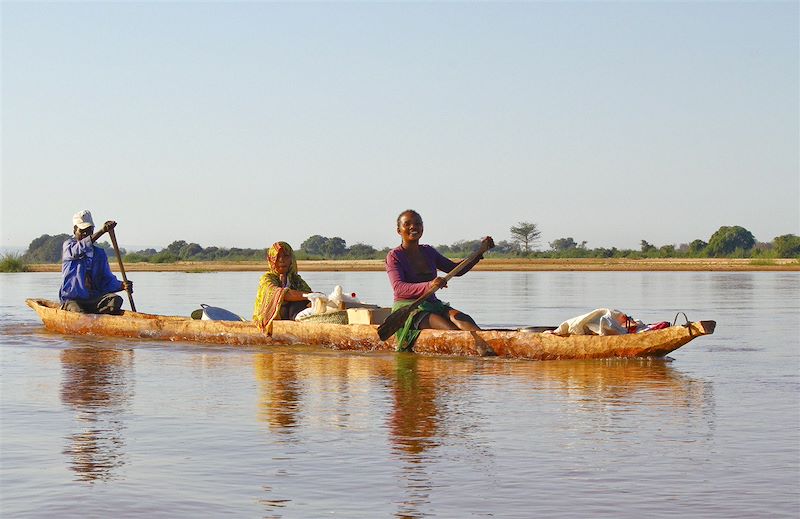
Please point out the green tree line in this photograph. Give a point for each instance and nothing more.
(727, 242)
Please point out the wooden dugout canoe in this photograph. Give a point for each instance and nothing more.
(364, 337)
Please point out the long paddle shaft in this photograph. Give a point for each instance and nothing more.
(121, 267)
(397, 319)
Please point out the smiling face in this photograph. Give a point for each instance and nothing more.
(409, 226)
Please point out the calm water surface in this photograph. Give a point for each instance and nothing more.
(94, 427)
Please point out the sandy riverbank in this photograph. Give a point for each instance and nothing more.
(498, 265)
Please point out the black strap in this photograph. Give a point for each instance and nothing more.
(687, 325)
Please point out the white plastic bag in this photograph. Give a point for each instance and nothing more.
(602, 321)
(324, 304)
(319, 302)
(338, 298)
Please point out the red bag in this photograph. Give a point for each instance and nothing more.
(659, 325)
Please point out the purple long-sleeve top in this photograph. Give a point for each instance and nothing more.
(410, 284)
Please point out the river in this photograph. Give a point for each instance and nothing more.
(96, 427)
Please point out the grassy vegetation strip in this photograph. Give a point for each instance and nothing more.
(491, 265)
(13, 263)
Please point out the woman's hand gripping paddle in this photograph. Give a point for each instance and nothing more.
(398, 318)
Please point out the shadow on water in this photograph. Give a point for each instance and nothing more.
(97, 385)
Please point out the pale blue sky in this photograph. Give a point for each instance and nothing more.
(239, 124)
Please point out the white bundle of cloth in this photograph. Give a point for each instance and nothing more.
(323, 304)
(601, 321)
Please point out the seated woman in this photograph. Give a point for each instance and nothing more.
(412, 270)
(281, 289)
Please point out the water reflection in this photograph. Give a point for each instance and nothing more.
(414, 416)
(603, 392)
(718, 427)
(655, 381)
(281, 391)
(413, 427)
(97, 385)
(429, 403)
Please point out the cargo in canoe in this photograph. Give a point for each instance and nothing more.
(364, 337)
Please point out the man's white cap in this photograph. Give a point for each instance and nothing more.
(82, 219)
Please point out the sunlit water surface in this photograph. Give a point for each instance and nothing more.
(95, 427)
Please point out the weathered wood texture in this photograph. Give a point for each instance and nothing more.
(363, 337)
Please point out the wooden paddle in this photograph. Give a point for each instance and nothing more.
(121, 266)
(398, 318)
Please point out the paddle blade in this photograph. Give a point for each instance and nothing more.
(395, 321)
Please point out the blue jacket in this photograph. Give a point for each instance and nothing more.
(85, 271)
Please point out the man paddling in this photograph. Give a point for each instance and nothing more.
(88, 285)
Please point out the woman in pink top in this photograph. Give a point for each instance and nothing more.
(412, 270)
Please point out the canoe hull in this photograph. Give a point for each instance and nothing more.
(362, 337)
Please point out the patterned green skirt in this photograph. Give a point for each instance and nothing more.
(409, 332)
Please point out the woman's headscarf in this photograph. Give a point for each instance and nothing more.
(271, 290)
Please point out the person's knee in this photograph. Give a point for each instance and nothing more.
(436, 322)
(463, 321)
(72, 306)
(109, 304)
(457, 315)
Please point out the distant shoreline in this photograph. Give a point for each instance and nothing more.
(487, 265)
